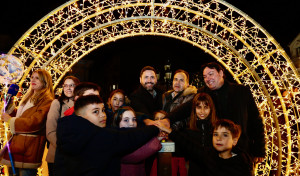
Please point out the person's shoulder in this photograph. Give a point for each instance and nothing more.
(168, 93)
(48, 95)
(202, 89)
(75, 122)
(55, 102)
(240, 87)
(234, 84)
(136, 91)
(72, 118)
(190, 91)
(242, 155)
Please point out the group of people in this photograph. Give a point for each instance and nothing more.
(217, 129)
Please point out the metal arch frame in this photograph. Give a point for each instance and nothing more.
(183, 5)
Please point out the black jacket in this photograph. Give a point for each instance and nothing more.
(206, 161)
(203, 136)
(233, 102)
(142, 101)
(85, 149)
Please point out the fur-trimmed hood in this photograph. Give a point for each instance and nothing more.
(189, 90)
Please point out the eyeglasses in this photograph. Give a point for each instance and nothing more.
(69, 85)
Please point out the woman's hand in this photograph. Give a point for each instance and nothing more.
(5, 117)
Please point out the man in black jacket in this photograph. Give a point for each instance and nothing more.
(234, 102)
(147, 99)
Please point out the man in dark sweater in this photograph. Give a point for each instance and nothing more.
(234, 102)
(84, 147)
(147, 98)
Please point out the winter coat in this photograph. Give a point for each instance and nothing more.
(134, 163)
(203, 136)
(234, 102)
(170, 103)
(86, 149)
(208, 161)
(142, 101)
(53, 115)
(29, 135)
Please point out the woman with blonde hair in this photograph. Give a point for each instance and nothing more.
(28, 128)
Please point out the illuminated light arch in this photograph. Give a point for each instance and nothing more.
(241, 45)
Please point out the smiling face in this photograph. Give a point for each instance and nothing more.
(116, 101)
(223, 142)
(69, 86)
(148, 79)
(180, 82)
(36, 82)
(95, 114)
(212, 78)
(128, 120)
(202, 110)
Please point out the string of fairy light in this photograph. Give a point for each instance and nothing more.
(246, 50)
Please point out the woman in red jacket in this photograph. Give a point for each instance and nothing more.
(28, 127)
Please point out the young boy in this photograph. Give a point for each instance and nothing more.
(223, 159)
(84, 147)
(83, 89)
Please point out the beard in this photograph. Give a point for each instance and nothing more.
(148, 86)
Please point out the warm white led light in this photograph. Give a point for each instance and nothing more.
(245, 49)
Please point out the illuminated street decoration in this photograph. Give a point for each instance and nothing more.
(241, 45)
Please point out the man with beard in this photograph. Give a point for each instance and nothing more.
(234, 102)
(147, 99)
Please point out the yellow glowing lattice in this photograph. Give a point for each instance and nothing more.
(246, 50)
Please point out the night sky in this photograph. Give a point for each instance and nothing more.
(115, 62)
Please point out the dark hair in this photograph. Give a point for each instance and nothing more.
(213, 65)
(116, 91)
(112, 94)
(83, 101)
(147, 68)
(119, 115)
(63, 96)
(207, 100)
(83, 86)
(159, 111)
(185, 72)
(229, 125)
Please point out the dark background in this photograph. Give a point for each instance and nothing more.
(115, 63)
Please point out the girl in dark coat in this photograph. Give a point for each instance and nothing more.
(200, 126)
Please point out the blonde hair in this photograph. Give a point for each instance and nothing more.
(47, 88)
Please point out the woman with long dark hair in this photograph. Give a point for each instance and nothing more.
(57, 109)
